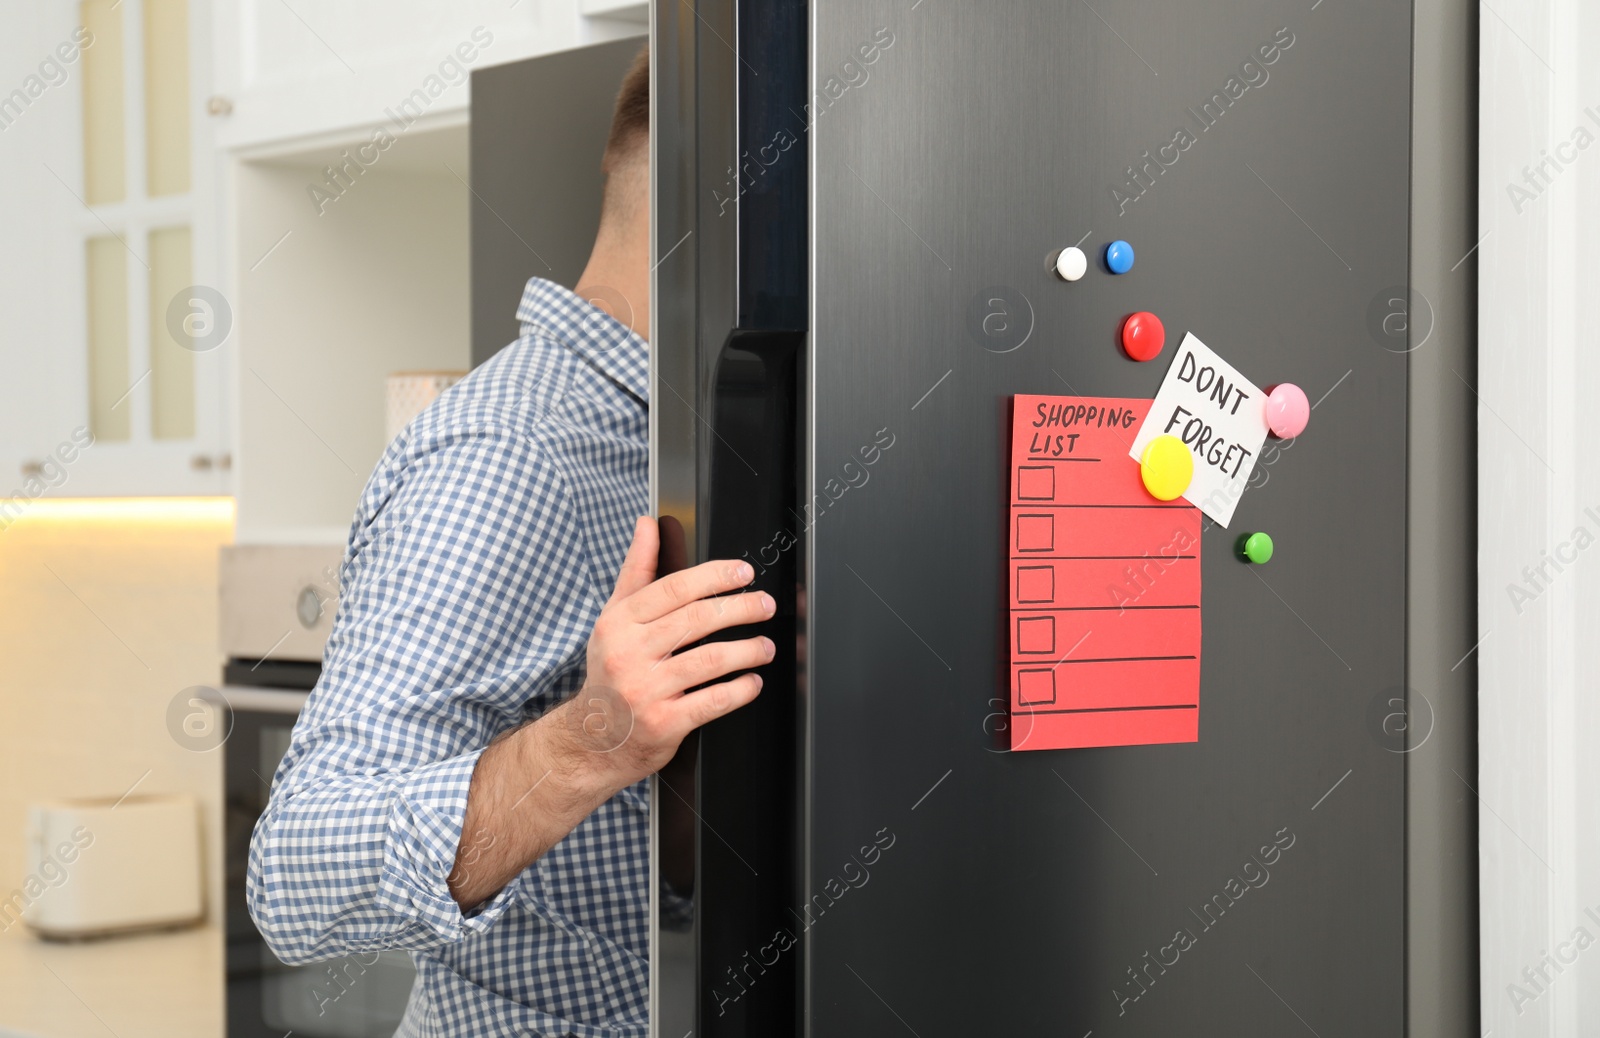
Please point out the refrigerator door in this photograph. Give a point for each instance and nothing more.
(728, 438)
(912, 874)
(539, 128)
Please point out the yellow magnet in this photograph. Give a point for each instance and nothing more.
(1166, 468)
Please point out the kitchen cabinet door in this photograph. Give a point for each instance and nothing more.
(340, 66)
(117, 341)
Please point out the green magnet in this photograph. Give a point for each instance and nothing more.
(1256, 548)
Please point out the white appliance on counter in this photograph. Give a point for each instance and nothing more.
(105, 866)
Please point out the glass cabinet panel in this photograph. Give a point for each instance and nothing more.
(104, 143)
(108, 340)
(175, 324)
(166, 97)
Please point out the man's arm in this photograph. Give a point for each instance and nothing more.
(466, 607)
(536, 784)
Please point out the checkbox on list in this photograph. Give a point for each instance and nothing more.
(1036, 687)
(1036, 634)
(1036, 585)
(1036, 532)
(1036, 483)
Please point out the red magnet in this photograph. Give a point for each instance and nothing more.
(1143, 336)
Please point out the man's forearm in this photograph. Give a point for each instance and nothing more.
(529, 790)
(532, 787)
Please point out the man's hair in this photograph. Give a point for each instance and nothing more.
(630, 123)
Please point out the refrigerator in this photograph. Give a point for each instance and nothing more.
(535, 176)
(1197, 822)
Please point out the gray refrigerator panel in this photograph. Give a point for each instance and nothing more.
(728, 434)
(914, 875)
(1126, 890)
(539, 127)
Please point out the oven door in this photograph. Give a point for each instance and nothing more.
(358, 996)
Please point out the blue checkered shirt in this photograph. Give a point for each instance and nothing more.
(483, 547)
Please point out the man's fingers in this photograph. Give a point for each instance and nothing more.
(715, 659)
(708, 704)
(679, 589)
(696, 620)
(639, 567)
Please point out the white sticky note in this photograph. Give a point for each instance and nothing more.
(1220, 415)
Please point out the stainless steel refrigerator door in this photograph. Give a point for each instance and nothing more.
(945, 886)
(539, 128)
(1123, 891)
(728, 432)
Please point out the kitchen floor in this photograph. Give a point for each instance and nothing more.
(164, 985)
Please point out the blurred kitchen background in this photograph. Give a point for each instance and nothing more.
(238, 247)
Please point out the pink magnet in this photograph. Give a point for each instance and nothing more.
(1287, 411)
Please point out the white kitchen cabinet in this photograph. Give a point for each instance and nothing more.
(319, 67)
(137, 272)
(335, 295)
(345, 156)
(624, 10)
(115, 355)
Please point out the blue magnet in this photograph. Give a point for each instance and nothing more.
(1119, 257)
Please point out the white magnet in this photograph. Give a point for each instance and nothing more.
(1071, 263)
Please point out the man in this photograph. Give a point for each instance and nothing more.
(467, 778)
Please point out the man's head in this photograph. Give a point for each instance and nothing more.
(626, 163)
(617, 278)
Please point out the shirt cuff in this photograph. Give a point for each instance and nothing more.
(425, 821)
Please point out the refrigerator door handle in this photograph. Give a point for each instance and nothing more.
(748, 785)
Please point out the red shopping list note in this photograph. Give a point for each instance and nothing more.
(1104, 584)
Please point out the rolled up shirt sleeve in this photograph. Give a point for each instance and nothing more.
(466, 603)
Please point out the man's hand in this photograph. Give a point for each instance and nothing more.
(537, 783)
(635, 708)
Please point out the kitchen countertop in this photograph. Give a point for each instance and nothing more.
(160, 985)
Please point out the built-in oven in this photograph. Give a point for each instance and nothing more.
(277, 605)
